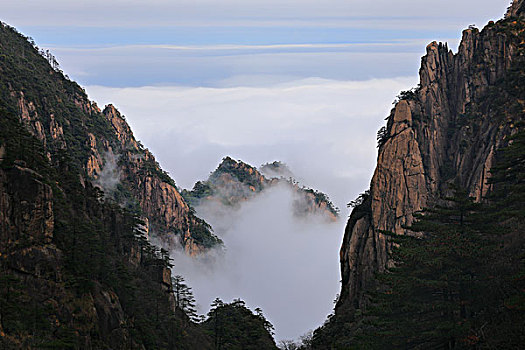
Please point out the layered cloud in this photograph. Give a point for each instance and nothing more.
(323, 129)
(119, 13)
(201, 43)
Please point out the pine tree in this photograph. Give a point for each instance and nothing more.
(184, 298)
(215, 314)
(432, 293)
(234, 326)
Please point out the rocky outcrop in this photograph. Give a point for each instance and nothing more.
(153, 190)
(446, 130)
(234, 182)
(59, 114)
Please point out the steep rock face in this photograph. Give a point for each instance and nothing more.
(28, 252)
(466, 106)
(59, 114)
(160, 202)
(72, 266)
(27, 223)
(26, 207)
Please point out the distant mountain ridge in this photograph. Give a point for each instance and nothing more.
(234, 182)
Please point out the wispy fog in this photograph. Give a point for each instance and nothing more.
(287, 266)
(109, 176)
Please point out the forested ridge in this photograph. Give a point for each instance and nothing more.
(77, 270)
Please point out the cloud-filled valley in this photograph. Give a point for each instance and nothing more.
(324, 130)
(286, 265)
(184, 151)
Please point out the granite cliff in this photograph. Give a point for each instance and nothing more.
(446, 130)
(69, 260)
(59, 114)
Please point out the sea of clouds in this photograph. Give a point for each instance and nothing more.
(324, 130)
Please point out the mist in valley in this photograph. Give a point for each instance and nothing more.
(272, 259)
(323, 130)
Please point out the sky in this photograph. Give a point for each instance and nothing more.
(208, 43)
(302, 81)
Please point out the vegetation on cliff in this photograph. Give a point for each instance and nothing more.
(89, 279)
(412, 281)
(460, 283)
(76, 268)
(59, 114)
(233, 326)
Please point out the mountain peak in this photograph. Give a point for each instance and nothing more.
(234, 182)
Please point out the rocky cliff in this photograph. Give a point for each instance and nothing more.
(76, 268)
(444, 131)
(59, 114)
(234, 182)
(79, 198)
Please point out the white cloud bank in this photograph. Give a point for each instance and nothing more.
(324, 130)
(287, 266)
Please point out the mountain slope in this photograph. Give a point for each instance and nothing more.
(59, 114)
(79, 198)
(454, 131)
(76, 269)
(446, 130)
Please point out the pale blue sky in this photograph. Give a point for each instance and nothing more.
(137, 43)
